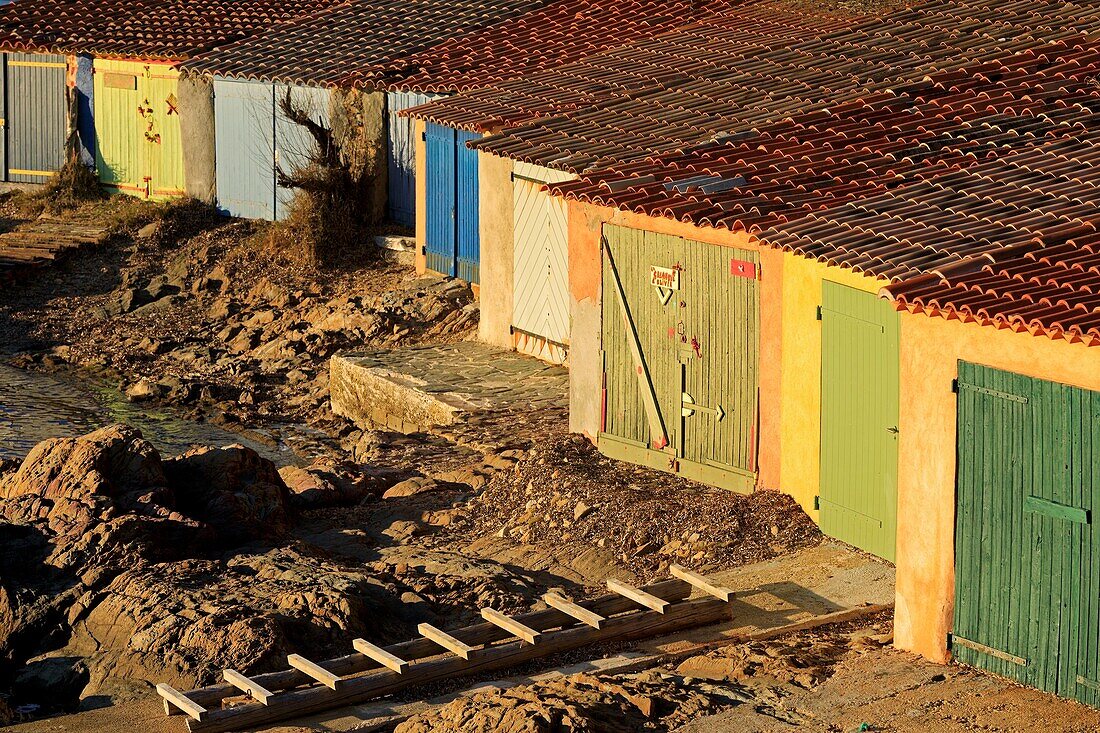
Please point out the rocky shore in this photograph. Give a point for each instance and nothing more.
(120, 567)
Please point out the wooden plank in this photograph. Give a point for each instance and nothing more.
(247, 686)
(171, 695)
(658, 433)
(670, 589)
(698, 581)
(445, 640)
(1053, 509)
(571, 609)
(314, 670)
(638, 596)
(379, 683)
(956, 639)
(380, 655)
(510, 625)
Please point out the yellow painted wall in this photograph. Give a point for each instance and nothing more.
(930, 351)
(800, 439)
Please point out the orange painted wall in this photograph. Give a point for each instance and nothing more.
(585, 274)
(420, 185)
(930, 351)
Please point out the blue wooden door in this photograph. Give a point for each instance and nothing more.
(466, 208)
(401, 156)
(440, 244)
(245, 148)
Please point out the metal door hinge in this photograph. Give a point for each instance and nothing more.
(819, 312)
(955, 386)
(817, 503)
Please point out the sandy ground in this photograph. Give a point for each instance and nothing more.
(899, 692)
(852, 685)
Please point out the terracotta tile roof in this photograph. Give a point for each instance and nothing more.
(148, 29)
(339, 47)
(1012, 242)
(558, 33)
(603, 86)
(1051, 290)
(736, 71)
(1027, 196)
(851, 150)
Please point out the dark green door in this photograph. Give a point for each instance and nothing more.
(1027, 594)
(680, 348)
(859, 419)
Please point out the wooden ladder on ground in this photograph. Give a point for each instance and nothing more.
(501, 641)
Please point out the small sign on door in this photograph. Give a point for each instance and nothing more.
(666, 280)
(743, 268)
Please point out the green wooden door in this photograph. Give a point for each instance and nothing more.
(859, 419)
(1027, 596)
(680, 348)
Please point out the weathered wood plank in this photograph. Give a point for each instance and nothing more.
(171, 695)
(996, 653)
(314, 670)
(445, 640)
(380, 655)
(671, 590)
(700, 582)
(510, 625)
(247, 686)
(637, 595)
(580, 613)
(296, 703)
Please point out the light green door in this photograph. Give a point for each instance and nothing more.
(680, 349)
(859, 419)
(138, 142)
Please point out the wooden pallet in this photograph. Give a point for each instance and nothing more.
(44, 240)
(502, 641)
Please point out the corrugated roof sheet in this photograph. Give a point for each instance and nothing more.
(739, 71)
(355, 40)
(147, 29)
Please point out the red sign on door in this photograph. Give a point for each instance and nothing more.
(743, 268)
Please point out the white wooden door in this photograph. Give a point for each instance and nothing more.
(541, 267)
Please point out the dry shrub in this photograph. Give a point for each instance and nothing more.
(74, 184)
(183, 219)
(327, 221)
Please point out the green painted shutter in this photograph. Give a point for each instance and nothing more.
(1027, 602)
(859, 418)
(721, 356)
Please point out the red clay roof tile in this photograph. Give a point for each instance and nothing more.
(147, 29)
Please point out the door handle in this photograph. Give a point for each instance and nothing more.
(893, 429)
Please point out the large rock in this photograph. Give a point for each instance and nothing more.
(233, 490)
(112, 462)
(184, 622)
(74, 484)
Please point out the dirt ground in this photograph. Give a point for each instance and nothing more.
(840, 679)
(378, 531)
